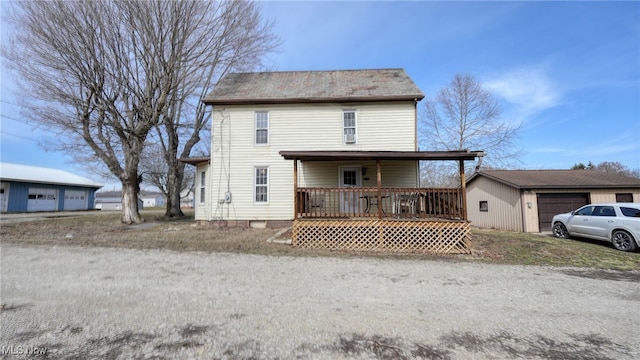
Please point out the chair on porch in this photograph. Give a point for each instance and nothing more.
(405, 204)
(316, 204)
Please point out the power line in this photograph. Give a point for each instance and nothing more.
(17, 120)
(4, 132)
(8, 103)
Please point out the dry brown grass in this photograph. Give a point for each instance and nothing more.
(104, 230)
(537, 249)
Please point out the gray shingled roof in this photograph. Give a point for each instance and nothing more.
(314, 86)
(558, 179)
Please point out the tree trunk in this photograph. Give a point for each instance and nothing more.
(130, 214)
(174, 186)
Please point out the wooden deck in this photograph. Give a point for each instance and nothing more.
(381, 219)
(377, 218)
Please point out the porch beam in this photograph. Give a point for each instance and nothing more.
(295, 189)
(463, 185)
(379, 155)
(379, 180)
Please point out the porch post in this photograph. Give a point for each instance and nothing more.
(295, 189)
(463, 186)
(379, 179)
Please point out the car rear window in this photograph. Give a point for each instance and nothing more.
(630, 212)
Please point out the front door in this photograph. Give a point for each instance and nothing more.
(350, 177)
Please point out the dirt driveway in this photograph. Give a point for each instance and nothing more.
(78, 303)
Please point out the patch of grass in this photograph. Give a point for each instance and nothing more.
(538, 249)
(105, 230)
(491, 246)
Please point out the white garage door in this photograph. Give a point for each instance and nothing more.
(42, 200)
(75, 200)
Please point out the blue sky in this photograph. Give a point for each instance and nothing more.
(568, 71)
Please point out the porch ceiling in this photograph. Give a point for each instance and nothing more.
(380, 155)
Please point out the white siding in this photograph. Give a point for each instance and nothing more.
(326, 174)
(234, 154)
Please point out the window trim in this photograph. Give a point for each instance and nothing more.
(202, 187)
(256, 185)
(256, 128)
(354, 127)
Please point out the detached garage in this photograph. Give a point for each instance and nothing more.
(26, 188)
(526, 200)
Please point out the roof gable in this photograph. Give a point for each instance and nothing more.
(314, 86)
(558, 179)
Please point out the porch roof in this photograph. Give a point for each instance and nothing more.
(195, 160)
(380, 155)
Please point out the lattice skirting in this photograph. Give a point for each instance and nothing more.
(437, 236)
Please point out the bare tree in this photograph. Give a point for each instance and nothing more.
(154, 170)
(464, 115)
(104, 74)
(612, 167)
(237, 40)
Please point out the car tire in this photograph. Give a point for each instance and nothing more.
(560, 231)
(623, 241)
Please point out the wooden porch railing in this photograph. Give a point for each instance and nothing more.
(406, 203)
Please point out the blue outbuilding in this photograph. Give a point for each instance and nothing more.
(25, 188)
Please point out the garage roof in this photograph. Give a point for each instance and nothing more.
(558, 179)
(287, 87)
(40, 175)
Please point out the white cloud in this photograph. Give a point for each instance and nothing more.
(529, 90)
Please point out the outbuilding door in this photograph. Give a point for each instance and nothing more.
(75, 200)
(4, 196)
(42, 199)
(552, 204)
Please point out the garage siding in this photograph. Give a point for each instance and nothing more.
(504, 207)
(599, 196)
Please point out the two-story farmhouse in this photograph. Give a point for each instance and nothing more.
(332, 153)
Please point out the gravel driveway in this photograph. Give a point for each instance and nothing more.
(79, 303)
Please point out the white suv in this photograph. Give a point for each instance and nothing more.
(618, 223)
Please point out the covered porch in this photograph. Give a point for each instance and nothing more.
(397, 219)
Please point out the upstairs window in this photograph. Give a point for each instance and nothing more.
(262, 128)
(349, 126)
(261, 185)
